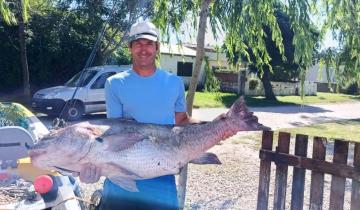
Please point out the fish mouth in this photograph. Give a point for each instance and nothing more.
(36, 153)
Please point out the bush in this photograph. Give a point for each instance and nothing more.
(212, 84)
(253, 83)
(352, 89)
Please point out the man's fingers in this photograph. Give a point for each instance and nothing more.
(90, 173)
(97, 174)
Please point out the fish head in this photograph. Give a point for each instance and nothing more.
(60, 148)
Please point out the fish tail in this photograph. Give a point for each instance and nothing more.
(242, 118)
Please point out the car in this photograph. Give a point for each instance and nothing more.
(82, 94)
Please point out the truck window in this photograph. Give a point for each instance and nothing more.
(76, 81)
(100, 81)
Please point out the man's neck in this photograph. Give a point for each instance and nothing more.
(144, 72)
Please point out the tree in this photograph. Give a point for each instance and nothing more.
(282, 66)
(111, 16)
(328, 60)
(343, 18)
(19, 16)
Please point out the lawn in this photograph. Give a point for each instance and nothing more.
(347, 129)
(203, 99)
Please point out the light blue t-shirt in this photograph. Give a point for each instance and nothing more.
(152, 99)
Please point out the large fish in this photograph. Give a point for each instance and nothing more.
(126, 150)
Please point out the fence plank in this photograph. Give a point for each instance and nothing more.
(338, 183)
(355, 191)
(264, 174)
(336, 169)
(297, 194)
(281, 173)
(317, 178)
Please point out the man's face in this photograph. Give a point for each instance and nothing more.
(143, 53)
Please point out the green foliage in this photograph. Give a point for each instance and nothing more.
(6, 14)
(60, 37)
(212, 84)
(13, 114)
(343, 17)
(328, 61)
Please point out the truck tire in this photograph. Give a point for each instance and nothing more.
(73, 111)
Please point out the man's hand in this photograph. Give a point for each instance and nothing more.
(89, 173)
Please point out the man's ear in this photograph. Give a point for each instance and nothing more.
(158, 47)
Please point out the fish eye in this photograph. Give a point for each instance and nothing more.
(100, 140)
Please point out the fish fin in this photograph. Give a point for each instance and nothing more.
(121, 142)
(207, 158)
(123, 171)
(126, 183)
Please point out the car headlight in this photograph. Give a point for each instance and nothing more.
(39, 96)
(46, 96)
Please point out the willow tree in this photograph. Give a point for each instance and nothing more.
(343, 18)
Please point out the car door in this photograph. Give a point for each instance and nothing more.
(96, 94)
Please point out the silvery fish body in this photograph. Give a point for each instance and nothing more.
(126, 150)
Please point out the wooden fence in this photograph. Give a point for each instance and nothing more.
(339, 169)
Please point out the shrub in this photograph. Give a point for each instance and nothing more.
(253, 83)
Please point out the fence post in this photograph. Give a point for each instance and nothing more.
(317, 178)
(355, 190)
(264, 174)
(297, 194)
(338, 183)
(281, 173)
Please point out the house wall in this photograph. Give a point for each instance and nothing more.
(169, 62)
(283, 88)
(315, 74)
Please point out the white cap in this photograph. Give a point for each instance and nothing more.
(143, 30)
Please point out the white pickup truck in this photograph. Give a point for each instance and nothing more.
(89, 98)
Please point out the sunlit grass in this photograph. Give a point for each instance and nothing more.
(203, 99)
(347, 129)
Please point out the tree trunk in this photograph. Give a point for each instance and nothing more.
(265, 79)
(204, 12)
(23, 56)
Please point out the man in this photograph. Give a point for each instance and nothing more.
(148, 95)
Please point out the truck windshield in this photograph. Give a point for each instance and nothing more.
(76, 81)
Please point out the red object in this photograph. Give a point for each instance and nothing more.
(4, 176)
(43, 184)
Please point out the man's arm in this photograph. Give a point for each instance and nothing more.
(183, 118)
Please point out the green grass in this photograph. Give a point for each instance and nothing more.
(348, 129)
(203, 99)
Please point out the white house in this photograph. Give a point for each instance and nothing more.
(180, 60)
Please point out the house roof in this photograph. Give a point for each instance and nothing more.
(177, 50)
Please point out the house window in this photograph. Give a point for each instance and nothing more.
(184, 69)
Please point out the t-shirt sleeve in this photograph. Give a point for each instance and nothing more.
(180, 104)
(114, 108)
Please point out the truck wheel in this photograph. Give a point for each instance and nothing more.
(74, 111)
